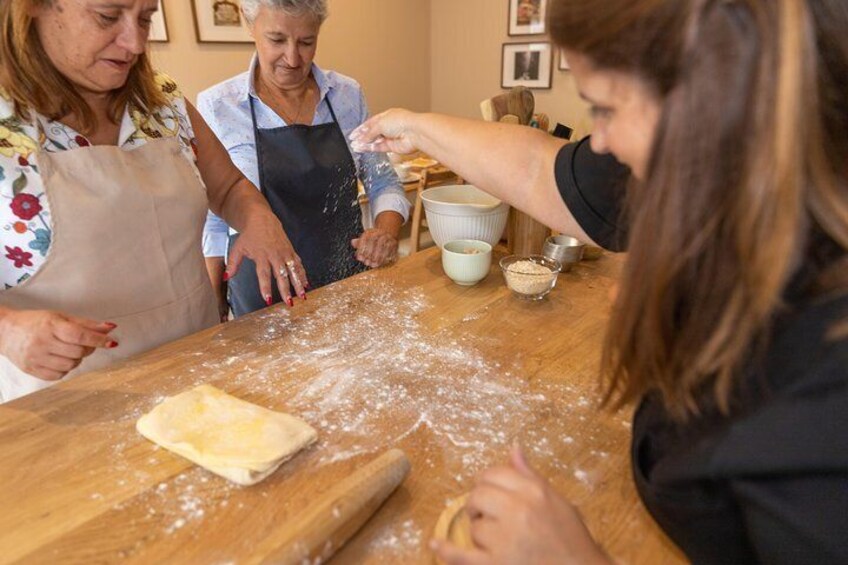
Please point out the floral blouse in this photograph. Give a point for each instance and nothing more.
(25, 220)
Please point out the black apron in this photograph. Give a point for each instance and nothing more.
(308, 176)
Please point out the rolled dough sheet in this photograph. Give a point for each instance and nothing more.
(240, 441)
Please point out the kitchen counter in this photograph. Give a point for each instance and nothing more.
(398, 357)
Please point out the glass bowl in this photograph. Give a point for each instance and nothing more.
(530, 277)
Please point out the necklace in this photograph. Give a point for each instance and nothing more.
(285, 115)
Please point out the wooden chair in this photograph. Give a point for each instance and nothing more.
(429, 179)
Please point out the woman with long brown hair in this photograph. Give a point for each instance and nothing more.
(106, 175)
(731, 324)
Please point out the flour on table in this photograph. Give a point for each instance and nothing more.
(369, 369)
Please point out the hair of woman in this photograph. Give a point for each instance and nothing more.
(747, 177)
(317, 8)
(33, 83)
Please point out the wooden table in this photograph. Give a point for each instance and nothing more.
(399, 357)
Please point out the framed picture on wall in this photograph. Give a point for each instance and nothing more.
(159, 27)
(219, 21)
(527, 17)
(563, 61)
(527, 64)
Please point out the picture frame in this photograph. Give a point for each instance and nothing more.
(527, 17)
(159, 27)
(563, 61)
(219, 21)
(527, 64)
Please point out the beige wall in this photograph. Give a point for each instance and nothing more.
(439, 55)
(384, 44)
(467, 38)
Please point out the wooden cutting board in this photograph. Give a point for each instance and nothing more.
(518, 102)
(84, 487)
(525, 236)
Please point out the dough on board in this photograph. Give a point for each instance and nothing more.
(454, 525)
(240, 441)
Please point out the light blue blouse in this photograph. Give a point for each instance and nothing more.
(226, 108)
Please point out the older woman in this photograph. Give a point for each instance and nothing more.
(285, 123)
(106, 176)
(731, 324)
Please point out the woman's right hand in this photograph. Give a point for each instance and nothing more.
(393, 130)
(265, 242)
(517, 517)
(48, 345)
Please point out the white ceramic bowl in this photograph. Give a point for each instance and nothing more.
(466, 261)
(464, 212)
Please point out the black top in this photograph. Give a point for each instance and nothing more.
(597, 202)
(769, 483)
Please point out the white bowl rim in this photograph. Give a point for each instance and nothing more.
(464, 210)
(427, 197)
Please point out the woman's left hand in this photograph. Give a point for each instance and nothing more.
(517, 517)
(375, 247)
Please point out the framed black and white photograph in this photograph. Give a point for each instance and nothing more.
(219, 21)
(159, 26)
(527, 64)
(563, 61)
(527, 17)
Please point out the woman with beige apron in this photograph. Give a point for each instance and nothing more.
(156, 289)
(121, 269)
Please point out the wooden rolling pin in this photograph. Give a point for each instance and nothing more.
(324, 527)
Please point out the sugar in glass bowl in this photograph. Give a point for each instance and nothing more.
(530, 277)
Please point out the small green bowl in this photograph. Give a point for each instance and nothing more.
(466, 261)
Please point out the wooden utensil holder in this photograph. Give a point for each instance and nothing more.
(525, 236)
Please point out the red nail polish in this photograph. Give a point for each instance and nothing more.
(290, 302)
(226, 276)
(269, 300)
(111, 345)
(303, 296)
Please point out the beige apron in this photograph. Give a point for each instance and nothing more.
(126, 249)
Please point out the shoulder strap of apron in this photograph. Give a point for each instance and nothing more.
(332, 112)
(257, 144)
